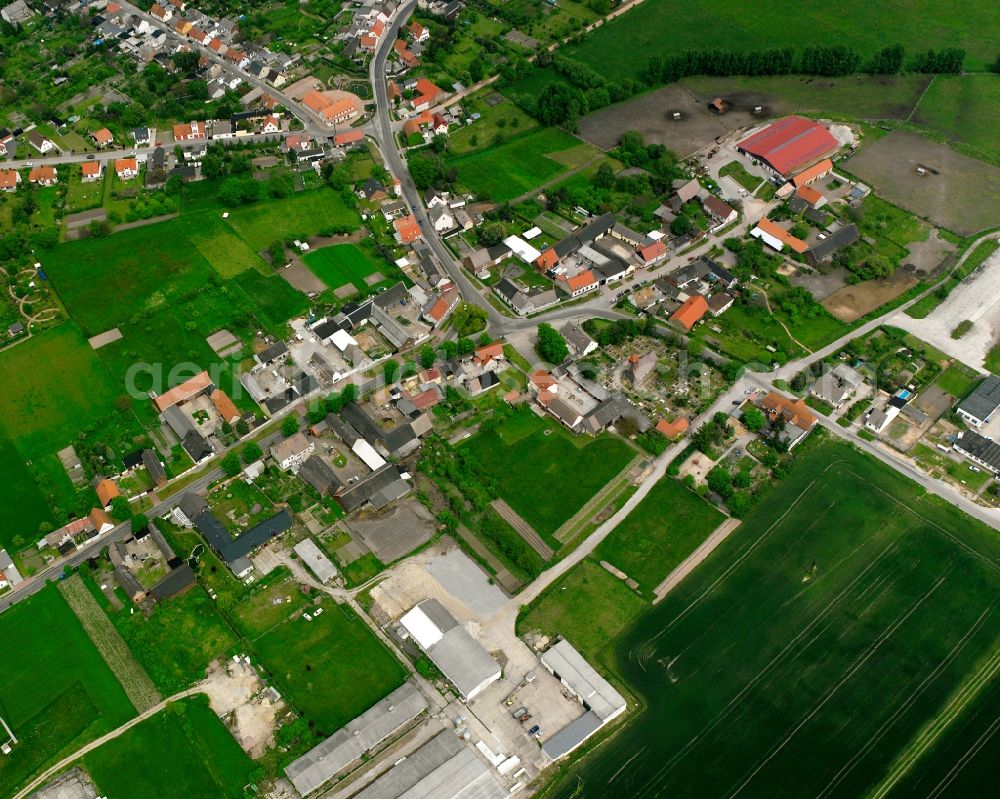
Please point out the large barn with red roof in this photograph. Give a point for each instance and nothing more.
(790, 144)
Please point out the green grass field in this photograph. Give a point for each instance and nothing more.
(23, 506)
(523, 163)
(305, 214)
(957, 380)
(177, 642)
(667, 526)
(667, 26)
(967, 110)
(543, 472)
(737, 172)
(182, 752)
(588, 606)
(332, 668)
(505, 118)
(810, 651)
(261, 611)
(342, 264)
(57, 693)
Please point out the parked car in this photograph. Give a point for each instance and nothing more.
(534, 730)
(519, 712)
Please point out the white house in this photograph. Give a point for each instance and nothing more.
(290, 453)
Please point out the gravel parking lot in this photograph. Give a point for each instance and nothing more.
(976, 300)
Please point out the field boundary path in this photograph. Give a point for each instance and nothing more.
(110, 736)
(134, 680)
(502, 574)
(706, 548)
(610, 490)
(557, 179)
(525, 530)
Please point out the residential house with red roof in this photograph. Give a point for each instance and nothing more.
(549, 259)
(226, 407)
(650, 254)
(488, 354)
(102, 137)
(161, 13)
(189, 130)
(439, 307)
(672, 430)
(690, 312)
(813, 173)
(811, 196)
(43, 175)
(101, 521)
(349, 137)
(270, 124)
(418, 32)
(126, 168)
(9, 178)
(790, 144)
(578, 284)
(426, 94)
(776, 237)
(407, 229)
(106, 490)
(721, 212)
(92, 171)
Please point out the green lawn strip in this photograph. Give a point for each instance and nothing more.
(57, 693)
(361, 570)
(736, 171)
(588, 606)
(332, 668)
(182, 752)
(305, 214)
(961, 471)
(958, 380)
(23, 506)
(137, 684)
(966, 108)
(843, 562)
(505, 119)
(668, 525)
(533, 460)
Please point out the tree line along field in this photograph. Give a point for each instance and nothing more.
(815, 648)
(57, 693)
(662, 27)
(544, 473)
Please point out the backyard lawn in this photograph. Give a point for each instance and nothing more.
(526, 161)
(182, 752)
(669, 524)
(57, 693)
(332, 668)
(543, 472)
(269, 606)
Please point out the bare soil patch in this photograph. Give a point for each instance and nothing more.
(955, 192)
(298, 276)
(853, 302)
(652, 115)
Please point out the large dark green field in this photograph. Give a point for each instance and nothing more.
(182, 752)
(621, 49)
(814, 648)
(56, 691)
(543, 472)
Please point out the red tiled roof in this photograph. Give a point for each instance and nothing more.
(809, 194)
(426, 399)
(585, 278)
(342, 107)
(672, 429)
(369, 42)
(91, 168)
(184, 391)
(794, 411)
(107, 490)
(653, 251)
(225, 406)
(790, 143)
(42, 173)
(543, 380)
(103, 136)
(8, 178)
(693, 309)
(776, 230)
(123, 164)
(348, 137)
(407, 228)
(813, 173)
(98, 517)
(489, 353)
(424, 86)
(717, 207)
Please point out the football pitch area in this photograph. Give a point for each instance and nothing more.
(840, 643)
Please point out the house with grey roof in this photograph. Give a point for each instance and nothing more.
(978, 408)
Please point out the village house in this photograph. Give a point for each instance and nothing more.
(40, 142)
(44, 175)
(126, 168)
(721, 212)
(92, 171)
(795, 416)
(690, 312)
(9, 178)
(292, 451)
(189, 131)
(102, 137)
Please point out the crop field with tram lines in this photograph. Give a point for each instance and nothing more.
(844, 642)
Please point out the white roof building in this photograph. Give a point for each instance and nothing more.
(367, 453)
(459, 656)
(522, 249)
(318, 563)
(341, 339)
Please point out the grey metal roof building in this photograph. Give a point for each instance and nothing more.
(601, 701)
(459, 656)
(443, 768)
(980, 449)
(356, 738)
(318, 473)
(825, 249)
(981, 404)
(379, 488)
